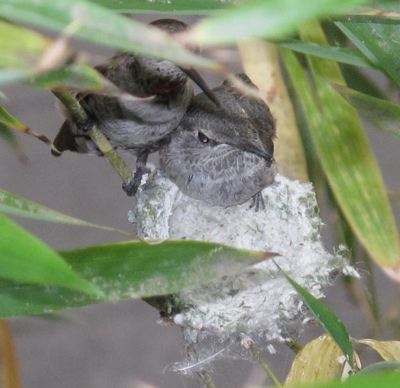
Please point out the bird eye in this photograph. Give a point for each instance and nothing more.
(203, 138)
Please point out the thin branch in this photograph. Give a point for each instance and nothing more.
(206, 379)
(79, 115)
(9, 372)
(294, 345)
(265, 367)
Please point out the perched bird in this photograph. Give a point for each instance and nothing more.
(142, 125)
(223, 156)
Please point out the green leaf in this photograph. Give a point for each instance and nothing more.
(333, 325)
(20, 48)
(262, 18)
(334, 53)
(345, 155)
(381, 366)
(78, 77)
(100, 25)
(192, 7)
(7, 135)
(10, 121)
(127, 270)
(18, 206)
(359, 81)
(19, 63)
(379, 42)
(24, 258)
(383, 380)
(381, 114)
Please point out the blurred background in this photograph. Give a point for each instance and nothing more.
(122, 345)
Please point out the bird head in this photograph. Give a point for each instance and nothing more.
(163, 75)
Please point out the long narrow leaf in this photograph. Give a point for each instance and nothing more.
(192, 7)
(262, 18)
(381, 114)
(102, 26)
(129, 270)
(381, 366)
(380, 42)
(24, 258)
(333, 325)
(19, 47)
(388, 350)
(18, 206)
(261, 63)
(346, 156)
(338, 54)
(8, 120)
(382, 380)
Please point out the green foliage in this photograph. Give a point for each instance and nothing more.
(192, 7)
(24, 258)
(345, 155)
(34, 279)
(262, 19)
(127, 270)
(20, 56)
(383, 115)
(99, 25)
(18, 206)
(377, 40)
(333, 325)
(338, 54)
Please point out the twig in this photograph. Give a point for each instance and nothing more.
(249, 344)
(206, 379)
(80, 116)
(294, 345)
(9, 373)
(265, 367)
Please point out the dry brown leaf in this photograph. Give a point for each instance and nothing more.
(261, 64)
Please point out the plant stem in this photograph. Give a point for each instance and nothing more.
(263, 364)
(9, 373)
(80, 116)
(206, 379)
(294, 345)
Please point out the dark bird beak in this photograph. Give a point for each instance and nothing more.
(265, 155)
(201, 83)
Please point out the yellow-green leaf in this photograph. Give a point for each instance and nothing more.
(20, 48)
(9, 121)
(103, 26)
(319, 360)
(262, 19)
(345, 154)
(388, 350)
(260, 61)
(381, 114)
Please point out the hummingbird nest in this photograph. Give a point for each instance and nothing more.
(259, 305)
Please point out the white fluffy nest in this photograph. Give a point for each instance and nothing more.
(259, 304)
